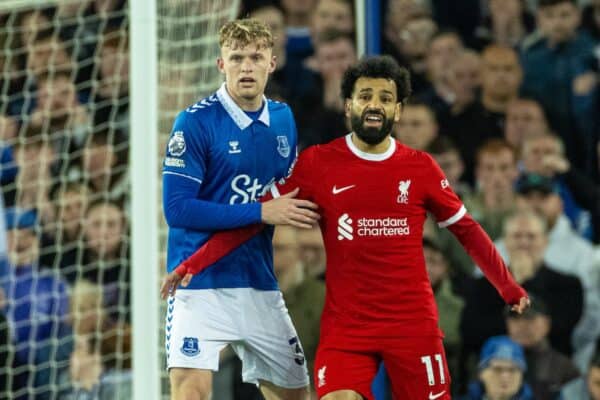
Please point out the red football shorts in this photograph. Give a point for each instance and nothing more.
(416, 366)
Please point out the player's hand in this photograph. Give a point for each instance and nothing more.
(287, 210)
(524, 303)
(171, 282)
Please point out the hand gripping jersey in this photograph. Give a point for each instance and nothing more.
(373, 208)
(223, 157)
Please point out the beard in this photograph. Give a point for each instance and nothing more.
(371, 135)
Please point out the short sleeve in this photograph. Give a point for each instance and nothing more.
(186, 149)
(441, 199)
(301, 176)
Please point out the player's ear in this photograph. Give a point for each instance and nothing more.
(273, 64)
(347, 107)
(398, 111)
(221, 65)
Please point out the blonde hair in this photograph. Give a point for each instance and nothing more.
(242, 32)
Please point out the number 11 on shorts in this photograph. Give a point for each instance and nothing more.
(429, 367)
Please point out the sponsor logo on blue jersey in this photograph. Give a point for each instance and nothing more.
(247, 189)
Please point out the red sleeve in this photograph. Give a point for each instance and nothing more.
(222, 243)
(218, 246)
(441, 199)
(452, 214)
(302, 176)
(481, 249)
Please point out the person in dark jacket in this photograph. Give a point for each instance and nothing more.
(547, 369)
(525, 237)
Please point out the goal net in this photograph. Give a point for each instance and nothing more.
(65, 283)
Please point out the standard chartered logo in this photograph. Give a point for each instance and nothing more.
(372, 227)
(345, 227)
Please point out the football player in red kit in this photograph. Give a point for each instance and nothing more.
(374, 194)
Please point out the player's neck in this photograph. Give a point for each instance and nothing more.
(253, 104)
(365, 147)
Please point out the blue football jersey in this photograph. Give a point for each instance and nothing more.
(234, 159)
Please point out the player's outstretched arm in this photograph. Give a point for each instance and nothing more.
(481, 249)
(284, 210)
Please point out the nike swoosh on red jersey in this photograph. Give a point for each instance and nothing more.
(340, 190)
(435, 396)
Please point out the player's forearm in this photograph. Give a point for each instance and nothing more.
(481, 249)
(183, 210)
(218, 246)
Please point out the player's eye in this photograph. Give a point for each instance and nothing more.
(236, 58)
(257, 57)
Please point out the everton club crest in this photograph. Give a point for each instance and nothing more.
(190, 346)
(283, 146)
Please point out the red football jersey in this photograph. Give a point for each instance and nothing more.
(373, 207)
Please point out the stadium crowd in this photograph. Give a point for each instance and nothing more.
(506, 98)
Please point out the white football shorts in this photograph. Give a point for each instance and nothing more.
(256, 323)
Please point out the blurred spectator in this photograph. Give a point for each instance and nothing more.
(587, 387)
(443, 48)
(496, 172)
(565, 252)
(489, 205)
(312, 251)
(407, 39)
(106, 256)
(548, 370)
(48, 52)
(9, 128)
(559, 74)
(525, 238)
(111, 98)
(58, 101)
(289, 81)
(30, 21)
(62, 246)
(36, 162)
(104, 166)
(417, 127)
(298, 15)
(544, 155)
(484, 119)
(304, 294)
(100, 363)
(449, 304)
(501, 372)
(507, 24)
(335, 15)
(501, 77)
(321, 116)
(10, 81)
(446, 154)
(591, 19)
(465, 80)
(36, 305)
(525, 119)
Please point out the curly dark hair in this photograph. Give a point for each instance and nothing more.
(377, 67)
